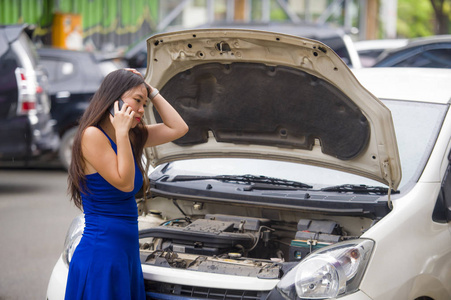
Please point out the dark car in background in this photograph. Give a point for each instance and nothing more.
(370, 50)
(26, 127)
(335, 38)
(136, 56)
(427, 52)
(74, 76)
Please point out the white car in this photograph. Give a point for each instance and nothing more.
(294, 181)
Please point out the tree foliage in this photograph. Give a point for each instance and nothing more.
(415, 18)
(418, 18)
(442, 9)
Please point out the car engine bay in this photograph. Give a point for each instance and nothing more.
(258, 243)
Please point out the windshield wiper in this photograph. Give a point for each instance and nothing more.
(358, 189)
(256, 182)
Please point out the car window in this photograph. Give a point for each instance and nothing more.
(58, 70)
(67, 68)
(416, 126)
(434, 58)
(51, 67)
(373, 53)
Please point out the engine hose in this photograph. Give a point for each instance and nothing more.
(258, 237)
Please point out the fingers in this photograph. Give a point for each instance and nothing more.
(134, 71)
(138, 73)
(126, 109)
(129, 111)
(125, 112)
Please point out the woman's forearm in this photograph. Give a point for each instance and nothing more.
(173, 126)
(171, 118)
(125, 162)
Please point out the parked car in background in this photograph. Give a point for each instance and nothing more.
(26, 128)
(294, 180)
(335, 38)
(136, 56)
(74, 77)
(370, 50)
(427, 52)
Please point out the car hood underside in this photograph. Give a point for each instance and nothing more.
(256, 94)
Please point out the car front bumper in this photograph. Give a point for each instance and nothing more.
(57, 283)
(182, 282)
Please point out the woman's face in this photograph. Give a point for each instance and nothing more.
(136, 98)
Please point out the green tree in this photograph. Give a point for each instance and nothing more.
(415, 18)
(442, 10)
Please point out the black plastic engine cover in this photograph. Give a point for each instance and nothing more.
(202, 234)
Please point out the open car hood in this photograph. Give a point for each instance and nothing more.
(255, 94)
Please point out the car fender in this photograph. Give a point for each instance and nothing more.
(57, 284)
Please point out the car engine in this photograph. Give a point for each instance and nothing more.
(235, 245)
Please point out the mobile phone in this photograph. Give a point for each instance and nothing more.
(112, 106)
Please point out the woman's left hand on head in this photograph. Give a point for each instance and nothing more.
(134, 71)
(138, 73)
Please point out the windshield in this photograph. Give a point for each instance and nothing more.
(417, 125)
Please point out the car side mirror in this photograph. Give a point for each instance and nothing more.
(442, 209)
(446, 189)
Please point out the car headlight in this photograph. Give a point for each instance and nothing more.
(73, 237)
(332, 271)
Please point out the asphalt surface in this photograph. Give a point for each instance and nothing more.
(35, 213)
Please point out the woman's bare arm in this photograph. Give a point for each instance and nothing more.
(118, 170)
(172, 128)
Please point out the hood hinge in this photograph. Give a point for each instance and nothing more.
(387, 175)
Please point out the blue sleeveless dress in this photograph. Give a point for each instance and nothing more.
(106, 263)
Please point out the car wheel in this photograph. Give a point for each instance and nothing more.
(65, 150)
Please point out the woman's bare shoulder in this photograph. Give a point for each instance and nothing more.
(92, 131)
(93, 136)
(95, 148)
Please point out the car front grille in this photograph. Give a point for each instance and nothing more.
(158, 290)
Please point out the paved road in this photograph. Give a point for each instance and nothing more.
(35, 213)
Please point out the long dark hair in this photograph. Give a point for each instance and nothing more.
(112, 88)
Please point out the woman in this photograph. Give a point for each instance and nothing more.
(106, 172)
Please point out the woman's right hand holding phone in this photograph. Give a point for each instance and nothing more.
(123, 117)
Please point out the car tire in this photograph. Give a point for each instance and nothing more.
(65, 150)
